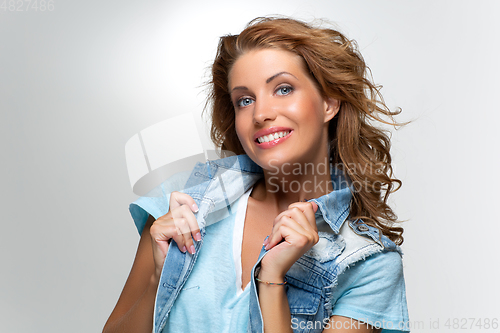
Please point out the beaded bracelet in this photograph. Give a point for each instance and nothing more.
(271, 283)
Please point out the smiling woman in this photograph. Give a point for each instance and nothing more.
(273, 93)
(293, 234)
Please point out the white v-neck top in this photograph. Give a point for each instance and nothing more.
(239, 224)
(213, 300)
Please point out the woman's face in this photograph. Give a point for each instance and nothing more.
(281, 116)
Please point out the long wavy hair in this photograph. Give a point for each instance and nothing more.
(339, 71)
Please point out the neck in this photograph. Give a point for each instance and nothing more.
(293, 183)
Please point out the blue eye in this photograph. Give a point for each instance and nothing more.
(285, 90)
(244, 102)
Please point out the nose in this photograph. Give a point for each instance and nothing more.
(263, 112)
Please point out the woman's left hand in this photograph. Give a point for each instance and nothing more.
(294, 233)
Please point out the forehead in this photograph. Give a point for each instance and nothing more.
(263, 63)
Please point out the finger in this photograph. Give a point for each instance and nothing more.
(180, 241)
(285, 223)
(178, 198)
(276, 237)
(294, 218)
(167, 228)
(191, 224)
(304, 207)
(161, 233)
(184, 233)
(291, 236)
(308, 208)
(306, 220)
(286, 214)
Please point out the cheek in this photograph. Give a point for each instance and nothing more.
(240, 130)
(237, 126)
(307, 111)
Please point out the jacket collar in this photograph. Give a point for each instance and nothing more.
(216, 185)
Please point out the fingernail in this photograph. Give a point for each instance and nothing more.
(197, 236)
(265, 241)
(184, 249)
(195, 208)
(192, 249)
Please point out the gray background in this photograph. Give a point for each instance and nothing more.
(77, 82)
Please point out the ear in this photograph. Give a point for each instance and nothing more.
(332, 107)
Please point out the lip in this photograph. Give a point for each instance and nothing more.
(268, 131)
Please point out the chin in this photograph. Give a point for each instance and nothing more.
(275, 162)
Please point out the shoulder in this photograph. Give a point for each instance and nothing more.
(373, 290)
(377, 271)
(156, 201)
(370, 284)
(366, 264)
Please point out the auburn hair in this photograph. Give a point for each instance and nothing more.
(359, 148)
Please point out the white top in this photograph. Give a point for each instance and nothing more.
(239, 224)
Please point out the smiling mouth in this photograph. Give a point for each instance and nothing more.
(272, 136)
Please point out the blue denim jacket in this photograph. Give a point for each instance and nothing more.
(214, 186)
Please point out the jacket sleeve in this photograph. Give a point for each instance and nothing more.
(156, 202)
(373, 291)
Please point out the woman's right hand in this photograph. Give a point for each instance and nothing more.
(178, 224)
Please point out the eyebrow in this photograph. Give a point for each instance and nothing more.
(267, 81)
(279, 74)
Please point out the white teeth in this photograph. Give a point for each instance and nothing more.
(273, 136)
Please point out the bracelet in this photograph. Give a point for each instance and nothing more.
(271, 283)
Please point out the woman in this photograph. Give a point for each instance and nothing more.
(292, 234)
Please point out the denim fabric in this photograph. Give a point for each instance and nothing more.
(214, 186)
(212, 300)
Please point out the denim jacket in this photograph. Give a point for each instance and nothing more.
(214, 186)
